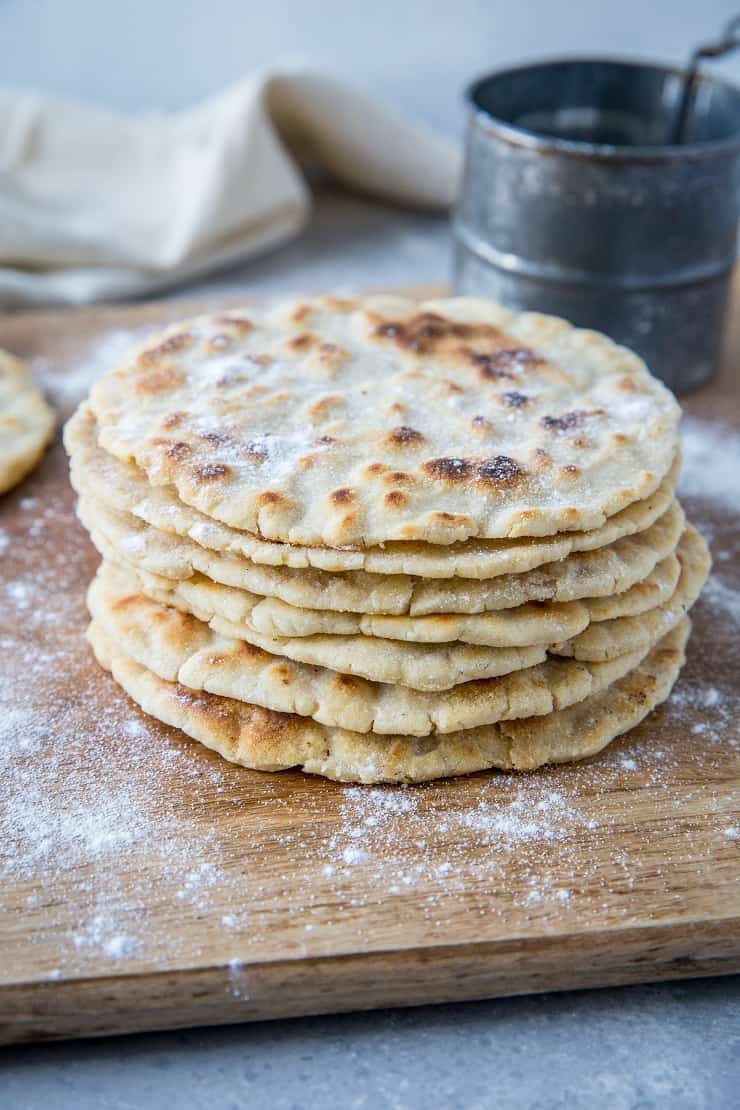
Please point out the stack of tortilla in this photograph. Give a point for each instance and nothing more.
(387, 541)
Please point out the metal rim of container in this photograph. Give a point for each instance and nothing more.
(519, 136)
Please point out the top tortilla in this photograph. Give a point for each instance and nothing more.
(356, 422)
(127, 489)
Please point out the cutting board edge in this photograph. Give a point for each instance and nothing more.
(302, 987)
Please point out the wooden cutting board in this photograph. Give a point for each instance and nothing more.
(147, 884)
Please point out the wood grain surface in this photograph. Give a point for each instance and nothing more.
(147, 884)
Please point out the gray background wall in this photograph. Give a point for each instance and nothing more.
(137, 54)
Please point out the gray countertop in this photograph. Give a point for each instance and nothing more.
(670, 1045)
(674, 1045)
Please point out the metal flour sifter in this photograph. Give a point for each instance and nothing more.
(608, 192)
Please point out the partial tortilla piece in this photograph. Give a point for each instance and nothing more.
(26, 421)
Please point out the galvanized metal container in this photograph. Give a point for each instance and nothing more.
(573, 204)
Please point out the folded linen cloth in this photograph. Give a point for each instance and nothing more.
(97, 206)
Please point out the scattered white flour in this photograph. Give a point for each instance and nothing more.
(352, 854)
(238, 980)
(99, 933)
(68, 387)
(19, 593)
(722, 598)
(711, 462)
(118, 946)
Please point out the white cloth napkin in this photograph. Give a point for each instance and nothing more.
(98, 206)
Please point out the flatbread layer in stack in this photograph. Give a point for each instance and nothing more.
(385, 541)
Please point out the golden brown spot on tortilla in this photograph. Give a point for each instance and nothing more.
(453, 387)
(450, 470)
(257, 452)
(177, 451)
(514, 399)
(251, 651)
(216, 659)
(395, 498)
(237, 323)
(346, 681)
(216, 439)
(449, 518)
(210, 472)
(620, 438)
(341, 496)
(173, 449)
(253, 450)
(271, 497)
(299, 313)
(270, 726)
(428, 333)
(628, 384)
(191, 697)
(322, 408)
(252, 391)
(331, 355)
(570, 470)
(497, 470)
(403, 436)
(326, 441)
(173, 420)
(507, 362)
(568, 421)
(301, 342)
(128, 601)
(154, 355)
(339, 304)
(394, 477)
(373, 469)
(281, 671)
(160, 380)
(481, 424)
